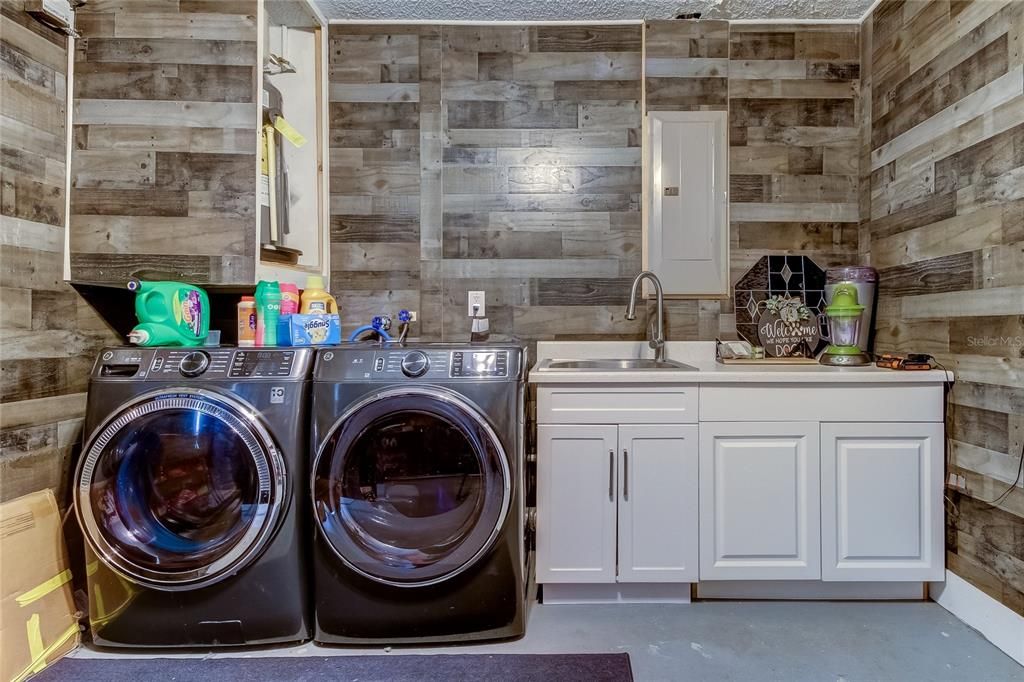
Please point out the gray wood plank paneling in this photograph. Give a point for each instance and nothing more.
(48, 335)
(939, 175)
(528, 167)
(164, 127)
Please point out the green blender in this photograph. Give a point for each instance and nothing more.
(844, 313)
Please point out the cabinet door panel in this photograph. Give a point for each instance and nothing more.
(576, 504)
(759, 501)
(881, 502)
(658, 503)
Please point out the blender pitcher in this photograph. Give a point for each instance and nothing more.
(864, 280)
(845, 315)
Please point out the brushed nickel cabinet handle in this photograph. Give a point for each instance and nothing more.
(625, 474)
(611, 475)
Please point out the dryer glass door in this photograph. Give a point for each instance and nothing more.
(180, 490)
(411, 487)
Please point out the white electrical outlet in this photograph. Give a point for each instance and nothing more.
(476, 304)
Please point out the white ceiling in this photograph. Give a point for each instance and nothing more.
(588, 10)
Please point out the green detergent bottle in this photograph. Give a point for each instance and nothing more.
(170, 314)
(268, 312)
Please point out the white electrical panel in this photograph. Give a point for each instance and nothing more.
(57, 14)
(686, 243)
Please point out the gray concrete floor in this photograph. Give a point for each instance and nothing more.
(900, 641)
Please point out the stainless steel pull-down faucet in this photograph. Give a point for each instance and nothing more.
(656, 329)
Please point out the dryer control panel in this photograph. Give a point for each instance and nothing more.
(424, 363)
(202, 363)
(480, 363)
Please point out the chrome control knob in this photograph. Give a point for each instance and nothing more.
(415, 364)
(194, 364)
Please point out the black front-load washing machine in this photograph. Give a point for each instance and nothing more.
(191, 495)
(417, 490)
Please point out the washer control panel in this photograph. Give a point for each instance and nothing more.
(422, 363)
(168, 363)
(262, 363)
(202, 363)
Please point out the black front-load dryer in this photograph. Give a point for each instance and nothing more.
(191, 495)
(417, 494)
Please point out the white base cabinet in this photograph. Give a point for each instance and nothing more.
(750, 501)
(617, 503)
(759, 501)
(842, 501)
(881, 501)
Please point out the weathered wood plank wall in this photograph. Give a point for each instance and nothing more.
(499, 158)
(164, 150)
(942, 203)
(792, 94)
(375, 172)
(542, 178)
(686, 65)
(48, 335)
(793, 161)
(508, 159)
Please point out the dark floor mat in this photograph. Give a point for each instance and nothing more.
(377, 668)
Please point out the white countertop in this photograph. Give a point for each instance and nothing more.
(701, 354)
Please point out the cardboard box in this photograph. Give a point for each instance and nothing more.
(38, 622)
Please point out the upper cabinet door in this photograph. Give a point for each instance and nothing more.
(576, 504)
(293, 192)
(881, 502)
(687, 239)
(759, 501)
(658, 503)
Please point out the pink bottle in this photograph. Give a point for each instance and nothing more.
(289, 298)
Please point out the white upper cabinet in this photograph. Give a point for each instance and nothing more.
(293, 193)
(686, 241)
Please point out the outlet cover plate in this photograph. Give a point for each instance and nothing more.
(475, 304)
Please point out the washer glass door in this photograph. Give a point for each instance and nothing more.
(411, 487)
(180, 489)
